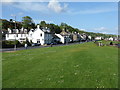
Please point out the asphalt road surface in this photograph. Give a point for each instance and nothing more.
(30, 47)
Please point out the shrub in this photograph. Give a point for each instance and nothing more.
(10, 44)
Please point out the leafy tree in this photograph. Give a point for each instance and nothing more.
(63, 26)
(4, 24)
(42, 24)
(27, 22)
(54, 28)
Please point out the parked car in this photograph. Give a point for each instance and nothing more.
(55, 43)
(35, 44)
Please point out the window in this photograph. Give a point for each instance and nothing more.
(38, 41)
(22, 38)
(41, 34)
(16, 35)
(7, 35)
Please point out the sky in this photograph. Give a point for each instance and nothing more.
(98, 17)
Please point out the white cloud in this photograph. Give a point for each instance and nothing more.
(53, 5)
(100, 29)
(83, 29)
(63, 0)
(105, 30)
(20, 13)
(48, 21)
(7, 1)
(31, 6)
(56, 6)
(93, 10)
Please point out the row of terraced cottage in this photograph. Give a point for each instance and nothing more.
(44, 36)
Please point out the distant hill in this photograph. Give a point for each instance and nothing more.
(4, 24)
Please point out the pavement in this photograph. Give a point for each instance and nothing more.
(30, 47)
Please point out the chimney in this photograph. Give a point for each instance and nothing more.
(38, 26)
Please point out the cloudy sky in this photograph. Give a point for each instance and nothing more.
(97, 17)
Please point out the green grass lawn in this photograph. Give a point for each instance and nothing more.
(76, 66)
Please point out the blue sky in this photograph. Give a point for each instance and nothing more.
(97, 17)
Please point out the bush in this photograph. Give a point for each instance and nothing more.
(7, 44)
(10, 44)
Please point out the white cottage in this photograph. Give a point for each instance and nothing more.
(15, 34)
(40, 36)
(98, 38)
(64, 37)
(90, 37)
(111, 39)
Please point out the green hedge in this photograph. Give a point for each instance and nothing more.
(10, 44)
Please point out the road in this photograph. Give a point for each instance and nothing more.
(30, 47)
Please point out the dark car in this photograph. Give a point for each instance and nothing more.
(54, 43)
(35, 44)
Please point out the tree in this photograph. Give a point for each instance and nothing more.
(57, 29)
(63, 26)
(54, 28)
(27, 22)
(42, 24)
(4, 24)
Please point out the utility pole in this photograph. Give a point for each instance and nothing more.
(15, 35)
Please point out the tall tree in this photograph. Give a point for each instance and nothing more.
(43, 24)
(27, 22)
(54, 28)
(63, 26)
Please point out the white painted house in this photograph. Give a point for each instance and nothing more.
(111, 39)
(98, 38)
(90, 37)
(16, 34)
(40, 36)
(64, 37)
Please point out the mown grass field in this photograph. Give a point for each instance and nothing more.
(76, 66)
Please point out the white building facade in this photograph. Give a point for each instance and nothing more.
(98, 38)
(15, 34)
(111, 39)
(64, 37)
(39, 36)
